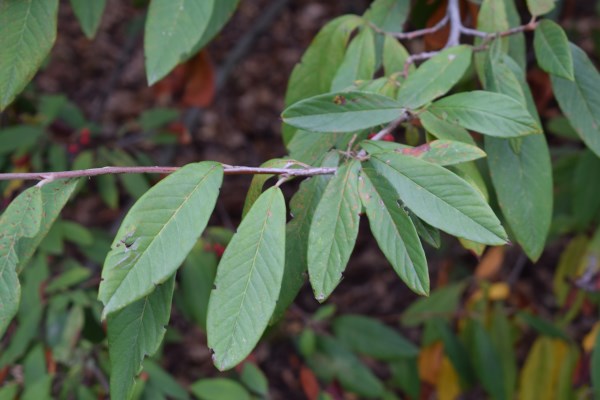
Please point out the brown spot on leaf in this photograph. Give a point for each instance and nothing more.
(416, 151)
(339, 100)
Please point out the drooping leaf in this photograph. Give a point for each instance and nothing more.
(552, 50)
(173, 27)
(359, 61)
(54, 197)
(248, 281)
(487, 362)
(579, 100)
(542, 365)
(219, 389)
(302, 209)
(502, 335)
(488, 113)
(441, 152)
(27, 33)
(89, 14)
(334, 230)
(158, 232)
(311, 76)
(523, 178)
(372, 338)
(135, 332)
(394, 230)
(456, 351)
(435, 77)
(342, 112)
(540, 7)
(21, 219)
(440, 198)
(388, 15)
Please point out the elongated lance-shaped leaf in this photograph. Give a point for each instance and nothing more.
(173, 28)
(221, 13)
(435, 77)
(441, 198)
(540, 7)
(342, 112)
(21, 219)
(158, 232)
(359, 61)
(135, 332)
(54, 197)
(552, 50)
(334, 230)
(488, 113)
(580, 100)
(393, 230)
(302, 208)
(27, 33)
(311, 76)
(248, 281)
(388, 15)
(441, 152)
(522, 179)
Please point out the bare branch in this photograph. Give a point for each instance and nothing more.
(419, 32)
(228, 169)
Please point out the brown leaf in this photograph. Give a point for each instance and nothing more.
(490, 263)
(310, 384)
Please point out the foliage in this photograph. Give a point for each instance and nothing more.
(476, 165)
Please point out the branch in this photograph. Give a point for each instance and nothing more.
(228, 170)
(417, 33)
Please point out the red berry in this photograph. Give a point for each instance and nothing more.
(218, 249)
(84, 136)
(388, 137)
(73, 148)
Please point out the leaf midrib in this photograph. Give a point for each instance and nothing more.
(250, 273)
(439, 198)
(143, 255)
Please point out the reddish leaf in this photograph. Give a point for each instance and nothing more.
(310, 384)
(437, 40)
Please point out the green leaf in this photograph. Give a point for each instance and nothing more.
(579, 100)
(435, 77)
(27, 33)
(54, 197)
(542, 326)
(173, 28)
(335, 360)
(221, 13)
(394, 231)
(488, 113)
(19, 137)
(135, 332)
(197, 276)
(219, 389)
(394, 56)
(442, 303)
(342, 112)
(162, 382)
(372, 338)
(248, 281)
(456, 351)
(21, 219)
(552, 50)
(334, 230)
(440, 152)
(89, 14)
(522, 179)
(388, 15)
(359, 61)
(441, 198)
(259, 180)
(585, 191)
(487, 362)
(445, 130)
(312, 76)
(157, 233)
(254, 379)
(540, 7)
(302, 209)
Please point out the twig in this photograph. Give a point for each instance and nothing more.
(417, 33)
(228, 170)
(455, 24)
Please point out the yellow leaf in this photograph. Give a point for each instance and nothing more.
(495, 292)
(590, 338)
(430, 363)
(448, 386)
(540, 375)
